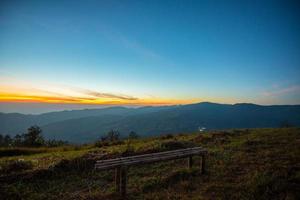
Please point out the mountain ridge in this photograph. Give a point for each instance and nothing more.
(87, 125)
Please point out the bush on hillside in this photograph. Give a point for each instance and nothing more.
(173, 145)
(129, 149)
(168, 136)
(107, 143)
(133, 135)
(79, 164)
(16, 151)
(15, 166)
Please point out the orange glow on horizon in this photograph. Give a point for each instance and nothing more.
(24, 98)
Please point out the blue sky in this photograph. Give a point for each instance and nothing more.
(222, 51)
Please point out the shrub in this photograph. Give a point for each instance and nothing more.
(55, 143)
(34, 137)
(101, 144)
(5, 152)
(129, 150)
(16, 166)
(172, 145)
(107, 143)
(113, 135)
(168, 136)
(79, 164)
(133, 135)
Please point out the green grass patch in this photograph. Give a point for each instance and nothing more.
(242, 164)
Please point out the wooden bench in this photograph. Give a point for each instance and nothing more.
(121, 164)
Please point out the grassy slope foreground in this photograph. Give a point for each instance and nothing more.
(242, 164)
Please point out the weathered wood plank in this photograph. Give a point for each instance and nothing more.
(118, 178)
(133, 161)
(129, 159)
(190, 162)
(123, 181)
(203, 164)
(148, 160)
(150, 154)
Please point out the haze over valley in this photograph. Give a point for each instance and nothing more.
(82, 126)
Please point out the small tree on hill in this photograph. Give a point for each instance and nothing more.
(34, 137)
(113, 135)
(18, 140)
(1, 140)
(133, 135)
(103, 138)
(7, 140)
(285, 124)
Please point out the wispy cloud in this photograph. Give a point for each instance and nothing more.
(126, 42)
(279, 91)
(137, 47)
(40, 92)
(105, 95)
(11, 91)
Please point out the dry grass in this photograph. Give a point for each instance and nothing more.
(242, 164)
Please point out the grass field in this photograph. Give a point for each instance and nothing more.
(242, 164)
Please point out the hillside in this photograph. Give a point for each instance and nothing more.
(242, 164)
(82, 126)
(16, 123)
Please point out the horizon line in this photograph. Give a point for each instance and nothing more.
(105, 106)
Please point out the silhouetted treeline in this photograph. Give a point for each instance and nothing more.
(113, 137)
(32, 138)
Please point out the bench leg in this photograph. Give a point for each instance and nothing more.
(123, 180)
(190, 162)
(117, 178)
(202, 164)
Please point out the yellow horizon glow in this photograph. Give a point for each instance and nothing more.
(62, 94)
(28, 98)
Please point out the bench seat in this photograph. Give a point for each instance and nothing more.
(121, 164)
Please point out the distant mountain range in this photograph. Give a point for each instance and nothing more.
(80, 126)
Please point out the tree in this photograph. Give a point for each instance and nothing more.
(7, 140)
(103, 138)
(113, 135)
(33, 136)
(18, 140)
(1, 140)
(55, 143)
(133, 135)
(285, 124)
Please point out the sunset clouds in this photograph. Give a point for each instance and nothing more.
(75, 95)
(98, 94)
(108, 53)
(280, 91)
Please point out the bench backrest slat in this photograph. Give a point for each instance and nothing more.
(144, 161)
(127, 159)
(150, 154)
(149, 158)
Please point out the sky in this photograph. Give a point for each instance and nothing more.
(57, 55)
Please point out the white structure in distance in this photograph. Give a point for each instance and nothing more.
(201, 129)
